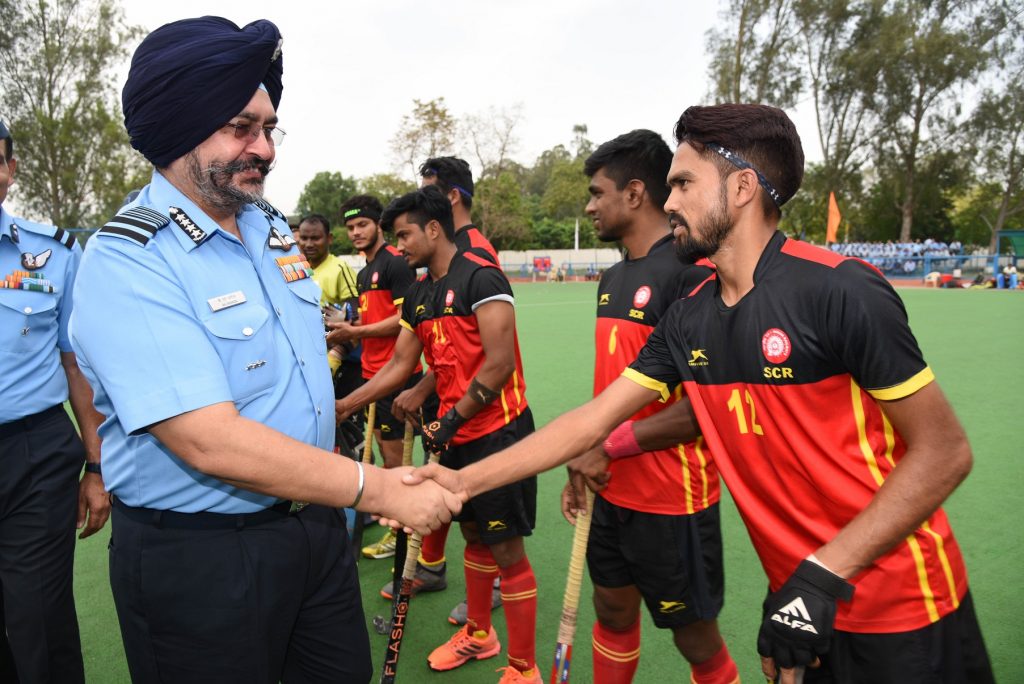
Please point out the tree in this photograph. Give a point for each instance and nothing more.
(567, 192)
(922, 53)
(940, 178)
(324, 194)
(998, 128)
(428, 131)
(832, 47)
(491, 137)
(499, 209)
(56, 81)
(754, 55)
(385, 186)
(581, 144)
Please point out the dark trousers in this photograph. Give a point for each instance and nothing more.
(41, 458)
(950, 651)
(266, 602)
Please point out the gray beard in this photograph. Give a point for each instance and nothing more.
(214, 183)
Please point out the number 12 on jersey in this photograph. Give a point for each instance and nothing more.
(735, 405)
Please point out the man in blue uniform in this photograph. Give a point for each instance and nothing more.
(200, 329)
(41, 455)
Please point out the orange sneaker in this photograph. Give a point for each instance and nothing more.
(514, 676)
(463, 647)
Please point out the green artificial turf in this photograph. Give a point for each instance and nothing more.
(972, 339)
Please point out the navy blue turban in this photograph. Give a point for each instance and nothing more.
(190, 77)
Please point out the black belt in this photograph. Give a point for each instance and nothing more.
(203, 520)
(25, 424)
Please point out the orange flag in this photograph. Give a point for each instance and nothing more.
(834, 217)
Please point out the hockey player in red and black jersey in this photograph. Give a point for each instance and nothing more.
(455, 179)
(655, 535)
(810, 390)
(461, 317)
(382, 285)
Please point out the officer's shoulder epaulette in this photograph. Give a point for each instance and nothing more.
(59, 234)
(269, 209)
(138, 224)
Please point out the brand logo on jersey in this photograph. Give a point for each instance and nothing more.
(671, 606)
(641, 297)
(182, 220)
(449, 298)
(794, 614)
(421, 308)
(33, 261)
(375, 277)
(775, 345)
(604, 299)
(698, 358)
(637, 314)
(496, 525)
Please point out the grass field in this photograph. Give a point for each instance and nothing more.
(973, 341)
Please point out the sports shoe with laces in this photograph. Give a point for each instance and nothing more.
(424, 580)
(463, 647)
(514, 676)
(385, 548)
(460, 613)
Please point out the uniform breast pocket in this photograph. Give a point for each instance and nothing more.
(307, 296)
(27, 320)
(244, 339)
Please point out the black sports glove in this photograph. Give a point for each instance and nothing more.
(798, 618)
(438, 433)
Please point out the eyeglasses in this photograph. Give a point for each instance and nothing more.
(249, 132)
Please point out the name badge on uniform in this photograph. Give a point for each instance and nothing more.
(226, 300)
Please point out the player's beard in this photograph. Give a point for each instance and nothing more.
(214, 183)
(694, 245)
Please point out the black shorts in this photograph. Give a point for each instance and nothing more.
(675, 561)
(950, 651)
(348, 379)
(390, 427)
(505, 512)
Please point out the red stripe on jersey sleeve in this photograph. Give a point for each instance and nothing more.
(478, 260)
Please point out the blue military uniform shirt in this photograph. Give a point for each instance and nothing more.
(37, 266)
(176, 314)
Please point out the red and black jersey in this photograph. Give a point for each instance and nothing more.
(785, 386)
(632, 297)
(383, 283)
(441, 314)
(468, 238)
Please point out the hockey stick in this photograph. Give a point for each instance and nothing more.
(400, 609)
(401, 539)
(571, 601)
(357, 526)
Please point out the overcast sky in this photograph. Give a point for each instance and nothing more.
(352, 69)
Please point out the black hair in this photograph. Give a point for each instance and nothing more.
(318, 218)
(638, 155)
(451, 172)
(427, 204)
(764, 136)
(366, 206)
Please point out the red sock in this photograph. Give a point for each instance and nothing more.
(718, 669)
(432, 551)
(519, 595)
(480, 571)
(616, 653)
